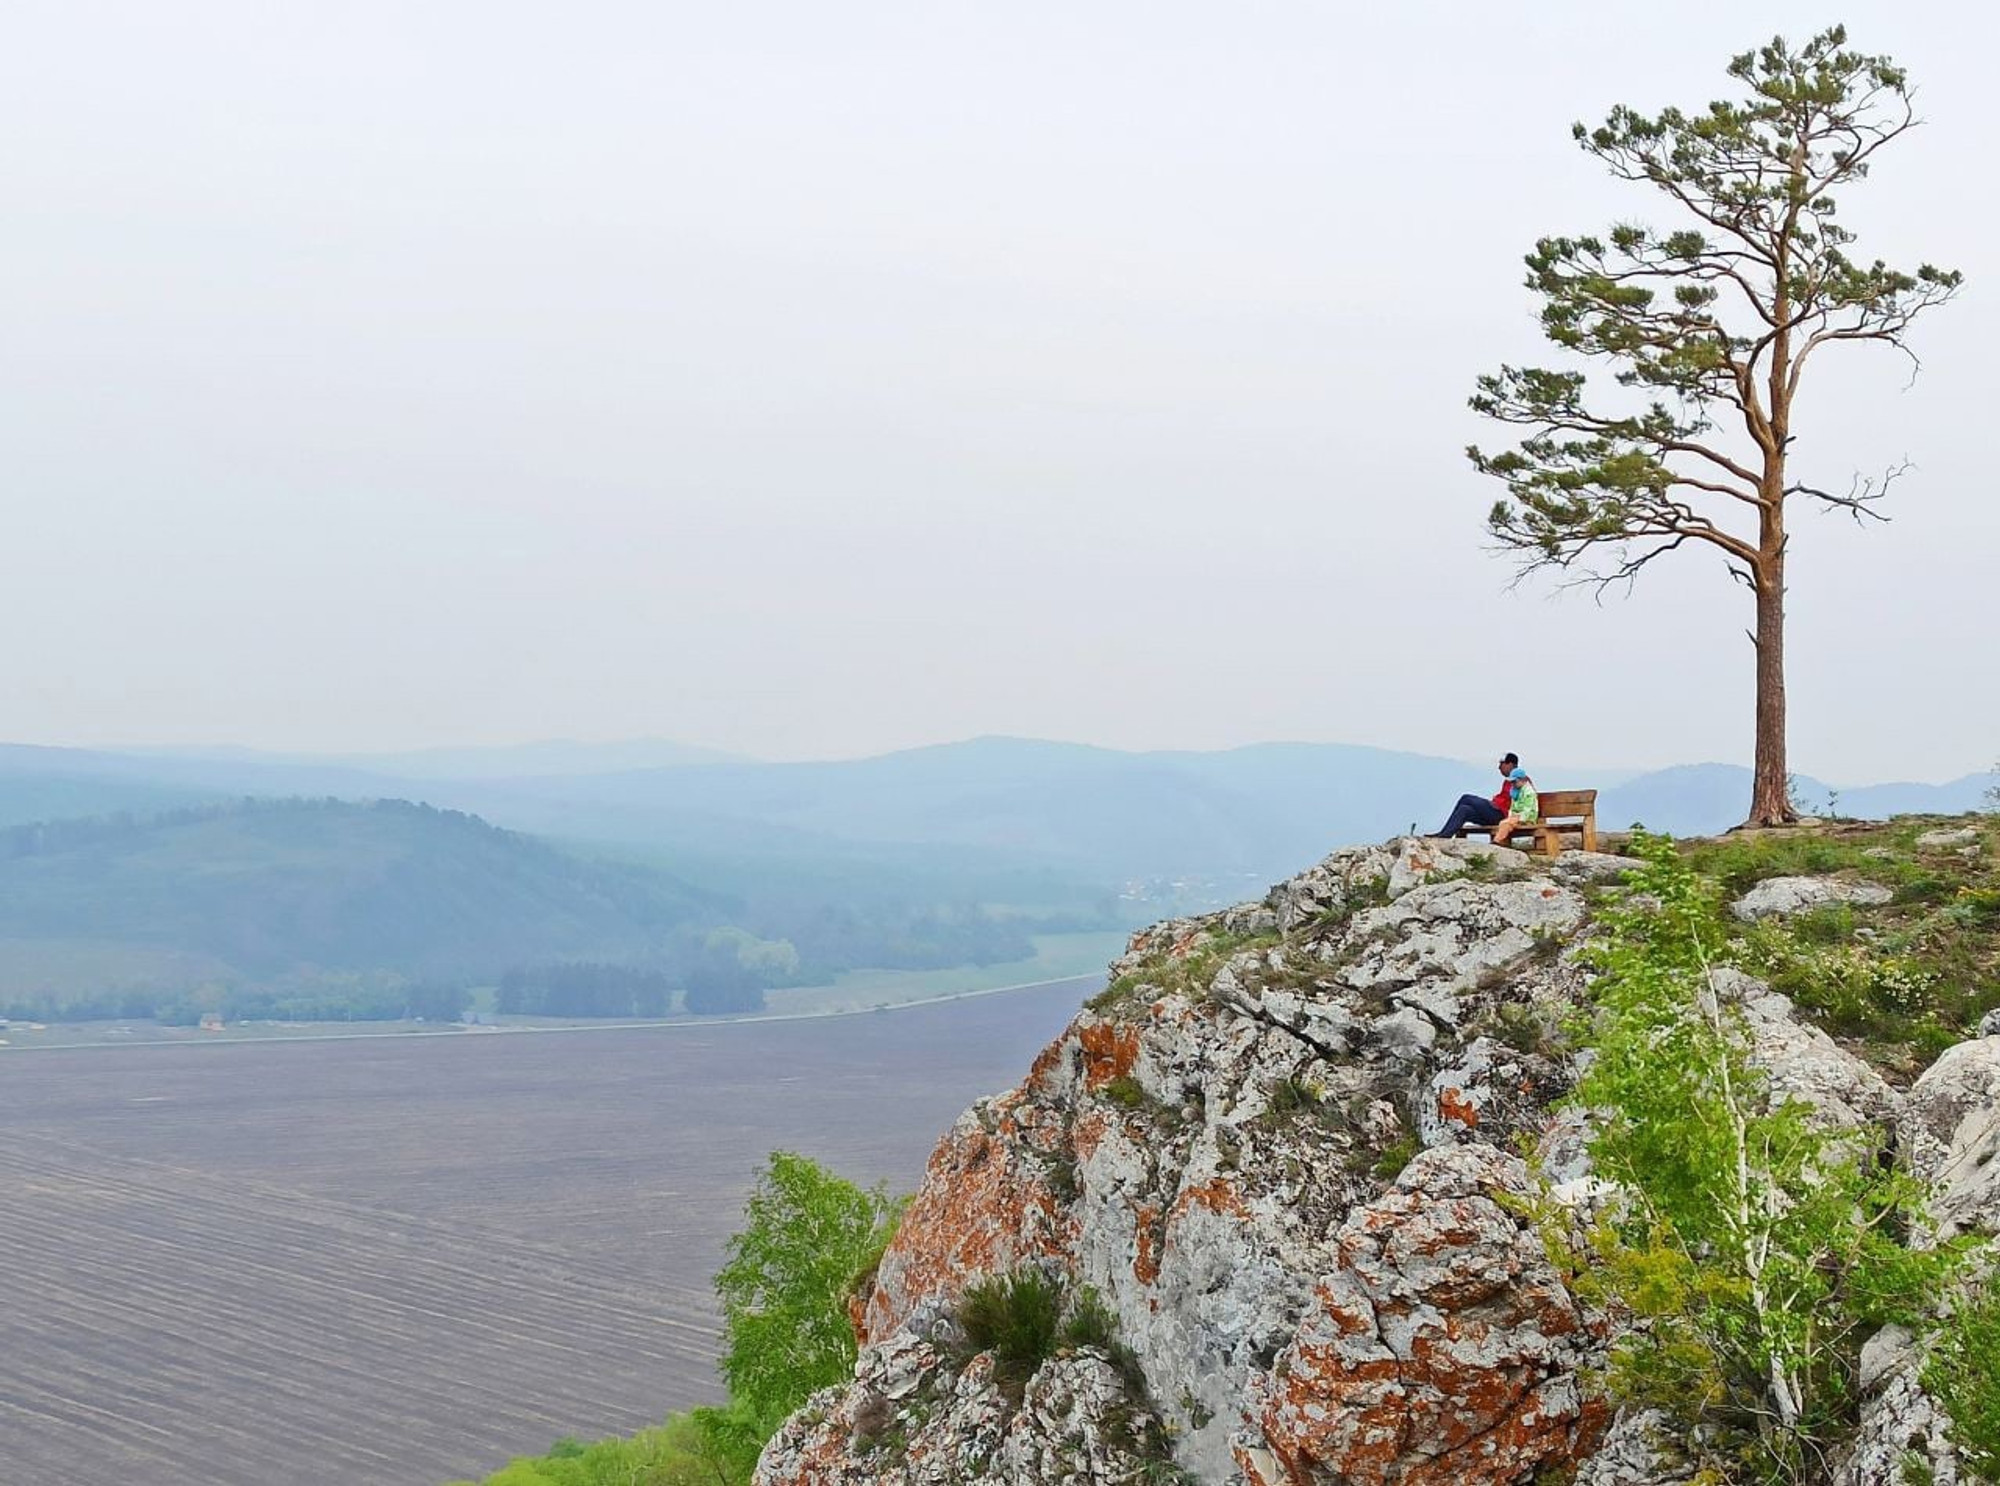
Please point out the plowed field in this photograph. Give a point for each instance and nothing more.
(388, 1262)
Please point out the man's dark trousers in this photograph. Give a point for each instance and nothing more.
(1472, 810)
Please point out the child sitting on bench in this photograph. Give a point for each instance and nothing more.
(1524, 807)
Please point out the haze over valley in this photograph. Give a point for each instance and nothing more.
(231, 884)
(916, 744)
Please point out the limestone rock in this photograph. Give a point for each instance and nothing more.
(1279, 1151)
(1941, 840)
(1950, 1133)
(1804, 1063)
(1074, 1424)
(1639, 1450)
(1452, 935)
(1783, 896)
(1898, 1419)
(1442, 1346)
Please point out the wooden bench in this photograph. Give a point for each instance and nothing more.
(1562, 811)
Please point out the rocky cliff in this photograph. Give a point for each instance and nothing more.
(1284, 1149)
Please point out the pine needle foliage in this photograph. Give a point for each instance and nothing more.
(1705, 326)
(1754, 1246)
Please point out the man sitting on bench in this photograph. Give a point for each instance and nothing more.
(1471, 810)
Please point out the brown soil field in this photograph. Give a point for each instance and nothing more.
(394, 1261)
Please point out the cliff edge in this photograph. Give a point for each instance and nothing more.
(1280, 1159)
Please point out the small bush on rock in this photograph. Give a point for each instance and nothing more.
(1018, 1318)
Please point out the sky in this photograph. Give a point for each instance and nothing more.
(813, 380)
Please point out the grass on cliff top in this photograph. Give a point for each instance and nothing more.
(1190, 974)
(1898, 983)
(1161, 973)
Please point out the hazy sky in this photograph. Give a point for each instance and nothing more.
(816, 379)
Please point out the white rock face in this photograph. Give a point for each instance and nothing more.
(1443, 938)
(1806, 1064)
(1784, 896)
(1639, 1451)
(1222, 1153)
(1951, 1136)
(1949, 1132)
(1898, 1419)
(1280, 1150)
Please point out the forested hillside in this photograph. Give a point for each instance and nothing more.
(316, 909)
(298, 892)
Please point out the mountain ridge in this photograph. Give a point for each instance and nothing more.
(1254, 810)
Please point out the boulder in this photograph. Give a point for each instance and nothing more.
(1804, 1063)
(1950, 1134)
(1442, 1347)
(1781, 897)
(1943, 840)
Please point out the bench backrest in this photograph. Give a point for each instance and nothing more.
(1568, 802)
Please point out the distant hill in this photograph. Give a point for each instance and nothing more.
(1702, 799)
(554, 756)
(265, 889)
(1255, 811)
(993, 820)
(59, 796)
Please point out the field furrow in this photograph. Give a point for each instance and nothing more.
(391, 1262)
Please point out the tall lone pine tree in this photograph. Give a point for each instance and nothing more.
(1710, 326)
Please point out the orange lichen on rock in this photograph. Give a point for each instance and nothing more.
(1455, 1104)
(1146, 1243)
(1110, 1049)
(984, 1208)
(1217, 1194)
(1443, 1351)
(857, 1312)
(1041, 1074)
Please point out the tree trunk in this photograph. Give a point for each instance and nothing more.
(1770, 790)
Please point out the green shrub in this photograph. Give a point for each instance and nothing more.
(1975, 908)
(1962, 1372)
(1760, 1248)
(1395, 1156)
(682, 1452)
(1189, 974)
(1738, 863)
(807, 1235)
(1833, 923)
(1289, 1096)
(1112, 995)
